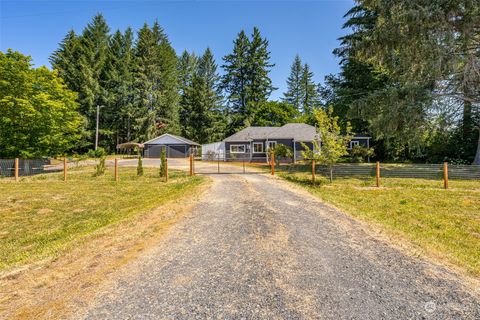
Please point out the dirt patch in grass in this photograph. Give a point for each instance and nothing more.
(59, 284)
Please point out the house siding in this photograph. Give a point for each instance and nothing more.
(237, 156)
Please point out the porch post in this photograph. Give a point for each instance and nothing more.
(294, 152)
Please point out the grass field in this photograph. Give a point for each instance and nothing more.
(444, 224)
(42, 215)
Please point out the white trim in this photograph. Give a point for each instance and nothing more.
(269, 142)
(257, 143)
(171, 136)
(354, 143)
(238, 145)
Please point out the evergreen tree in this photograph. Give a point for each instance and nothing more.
(235, 80)
(155, 84)
(294, 92)
(310, 97)
(118, 114)
(80, 61)
(167, 84)
(202, 114)
(187, 67)
(94, 53)
(65, 60)
(246, 79)
(207, 69)
(258, 66)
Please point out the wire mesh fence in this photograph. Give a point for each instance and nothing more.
(387, 170)
(225, 165)
(26, 167)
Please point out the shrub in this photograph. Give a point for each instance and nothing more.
(359, 153)
(139, 165)
(163, 163)
(100, 167)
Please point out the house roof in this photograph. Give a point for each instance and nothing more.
(296, 131)
(178, 139)
(250, 133)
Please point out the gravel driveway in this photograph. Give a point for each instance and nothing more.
(256, 248)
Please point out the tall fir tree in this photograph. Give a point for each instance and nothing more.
(258, 66)
(294, 92)
(309, 90)
(119, 113)
(156, 84)
(167, 84)
(65, 60)
(235, 80)
(246, 79)
(94, 53)
(187, 67)
(202, 115)
(80, 61)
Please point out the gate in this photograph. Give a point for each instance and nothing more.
(222, 165)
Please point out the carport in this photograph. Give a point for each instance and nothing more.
(176, 146)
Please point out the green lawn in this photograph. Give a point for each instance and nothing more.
(41, 216)
(443, 223)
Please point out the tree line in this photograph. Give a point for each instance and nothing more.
(410, 78)
(144, 89)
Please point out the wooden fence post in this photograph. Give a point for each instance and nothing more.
(377, 173)
(243, 165)
(166, 170)
(16, 169)
(218, 165)
(313, 171)
(116, 169)
(65, 166)
(445, 175)
(191, 165)
(272, 163)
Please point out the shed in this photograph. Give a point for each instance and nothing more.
(176, 146)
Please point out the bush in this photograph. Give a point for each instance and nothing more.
(99, 153)
(100, 167)
(211, 155)
(360, 154)
(163, 163)
(139, 165)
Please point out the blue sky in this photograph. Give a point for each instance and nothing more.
(309, 28)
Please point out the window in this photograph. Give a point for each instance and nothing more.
(237, 148)
(354, 144)
(271, 144)
(258, 147)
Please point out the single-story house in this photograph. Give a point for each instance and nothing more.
(252, 143)
(176, 146)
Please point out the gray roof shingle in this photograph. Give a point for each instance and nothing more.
(297, 131)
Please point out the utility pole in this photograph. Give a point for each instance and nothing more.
(96, 130)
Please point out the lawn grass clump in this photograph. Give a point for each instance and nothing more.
(42, 215)
(443, 223)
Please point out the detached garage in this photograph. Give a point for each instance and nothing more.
(177, 147)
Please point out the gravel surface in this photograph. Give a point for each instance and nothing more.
(256, 248)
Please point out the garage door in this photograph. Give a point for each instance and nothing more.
(177, 151)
